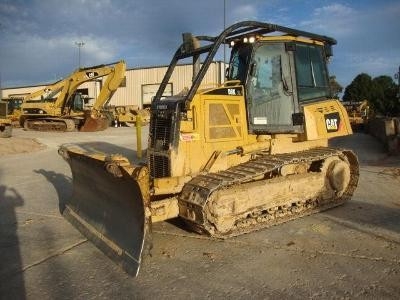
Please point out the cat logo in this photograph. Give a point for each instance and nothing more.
(91, 74)
(332, 122)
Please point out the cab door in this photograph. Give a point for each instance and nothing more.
(270, 95)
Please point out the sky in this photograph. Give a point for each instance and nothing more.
(38, 38)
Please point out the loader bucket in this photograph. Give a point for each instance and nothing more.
(109, 205)
(94, 124)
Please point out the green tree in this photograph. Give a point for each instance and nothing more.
(380, 92)
(384, 98)
(361, 88)
(336, 88)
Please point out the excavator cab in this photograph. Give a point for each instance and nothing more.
(77, 103)
(247, 154)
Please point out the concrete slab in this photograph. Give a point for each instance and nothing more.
(352, 251)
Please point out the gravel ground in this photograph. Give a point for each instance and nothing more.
(350, 252)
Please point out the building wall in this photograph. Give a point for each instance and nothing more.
(136, 79)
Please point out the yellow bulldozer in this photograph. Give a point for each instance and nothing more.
(13, 109)
(248, 154)
(59, 107)
(126, 115)
(5, 122)
(359, 113)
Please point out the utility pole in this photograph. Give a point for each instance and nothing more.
(224, 27)
(80, 45)
(1, 89)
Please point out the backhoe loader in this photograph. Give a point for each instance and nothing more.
(250, 153)
(59, 107)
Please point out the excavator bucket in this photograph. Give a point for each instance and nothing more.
(110, 204)
(95, 124)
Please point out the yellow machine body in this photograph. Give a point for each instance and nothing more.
(5, 122)
(248, 154)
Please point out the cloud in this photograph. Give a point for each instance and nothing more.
(335, 10)
(48, 59)
(366, 37)
(8, 8)
(38, 37)
(336, 18)
(244, 12)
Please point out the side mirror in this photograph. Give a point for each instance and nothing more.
(328, 51)
(227, 73)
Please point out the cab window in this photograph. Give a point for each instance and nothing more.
(312, 76)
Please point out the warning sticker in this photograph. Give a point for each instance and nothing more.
(260, 120)
(188, 137)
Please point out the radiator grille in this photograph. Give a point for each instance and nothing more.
(159, 166)
(161, 128)
(164, 135)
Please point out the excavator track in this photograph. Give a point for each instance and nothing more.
(198, 195)
(50, 124)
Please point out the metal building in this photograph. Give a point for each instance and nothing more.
(140, 86)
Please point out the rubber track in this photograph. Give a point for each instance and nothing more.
(198, 190)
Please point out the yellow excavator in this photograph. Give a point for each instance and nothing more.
(58, 107)
(248, 154)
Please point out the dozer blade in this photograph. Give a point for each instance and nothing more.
(110, 205)
(94, 124)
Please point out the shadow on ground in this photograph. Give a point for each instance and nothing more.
(10, 262)
(61, 183)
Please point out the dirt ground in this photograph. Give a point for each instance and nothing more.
(349, 252)
(15, 145)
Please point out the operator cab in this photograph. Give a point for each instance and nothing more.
(268, 68)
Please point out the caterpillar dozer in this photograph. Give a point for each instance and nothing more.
(59, 107)
(245, 155)
(126, 115)
(5, 122)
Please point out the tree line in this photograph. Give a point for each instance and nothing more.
(381, 92)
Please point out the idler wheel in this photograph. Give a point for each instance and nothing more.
(338, 174)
